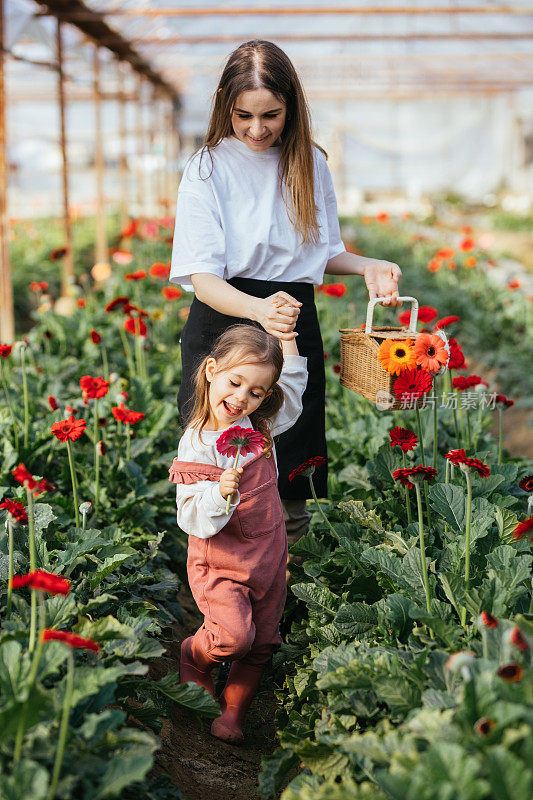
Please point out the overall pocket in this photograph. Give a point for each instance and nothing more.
(260, 511)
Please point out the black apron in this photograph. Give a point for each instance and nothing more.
(307, 437)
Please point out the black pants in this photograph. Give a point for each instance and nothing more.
(307, 436)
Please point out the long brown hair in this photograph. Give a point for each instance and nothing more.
(261, 64)
(240, 344)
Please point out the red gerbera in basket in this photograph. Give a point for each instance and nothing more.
(412, 383)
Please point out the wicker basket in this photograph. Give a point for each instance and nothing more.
(361, 370)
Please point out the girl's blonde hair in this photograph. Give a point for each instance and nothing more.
(261, 64)
(240, 344)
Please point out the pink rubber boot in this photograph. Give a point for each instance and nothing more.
(195, 665)
(241, 688)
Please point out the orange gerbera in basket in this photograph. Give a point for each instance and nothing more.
(396, 355)
(430, 352)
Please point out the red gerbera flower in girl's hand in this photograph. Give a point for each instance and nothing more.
(242, 440)
(404, 438)
(237, 440)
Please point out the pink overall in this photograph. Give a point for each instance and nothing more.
(237, 577)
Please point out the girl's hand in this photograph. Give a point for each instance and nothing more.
(278, 315)
(381, 278)
(229, 481)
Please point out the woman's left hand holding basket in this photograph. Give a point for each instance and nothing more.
(381, 278)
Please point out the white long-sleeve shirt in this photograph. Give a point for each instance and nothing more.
(201, 509)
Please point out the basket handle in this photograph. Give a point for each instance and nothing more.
(412, 321)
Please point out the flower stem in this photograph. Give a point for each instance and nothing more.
(435, 395)
(422, 456)
(422, 547)
(239, 446)
(128, 441)
(104, 363)
(455, 423)
(8, 400)
(407, 498)
(127, 351)
(485, 643)
(74, 483)
(21, 727)
(96, 456)
(26, 398)
(315, 498)
(467, 542)
(63, 729)
(447, 480)
(33, 565)
(468, 429)
(500, 436)
(9, 526)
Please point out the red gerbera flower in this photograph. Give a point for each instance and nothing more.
(488, 620)
(459, 458)
(171, 293)
(69, 429)
(16, 509)
(517, 638)
(159, 270)
(130, 229)
(43, 581)
(69, 638)
(248, 439)
(24, 477)
(484, 726)
(94, 387)
(138, 275)
(526, 483)
(334, 289)
(404, 318)
(412, 383)
(402, 475)
(522, 528)
(475, 380)
(81, 302)
(134, 311)
(427, 314)
(421, 473)
(466, 245)
(308, 467)
(57, 253)
(135, 326)
(52, 402)
(460, 382)
(512, 673)
(122, 257)
(5, 350)
(95, 337)
(336, 368)
(456, 456)
(118, 301)
(404, 438)
(457, 359)
(514, 284)
(446, 252)
(503, 401)
(102, 448)
(38, 286)
(126, 415)
(445, 322)
(382, 217)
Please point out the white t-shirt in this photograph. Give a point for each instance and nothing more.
(201, 509)
(231, 220)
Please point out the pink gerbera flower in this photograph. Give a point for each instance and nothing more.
(244, 440)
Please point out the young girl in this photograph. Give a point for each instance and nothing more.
(256, 222)
(236, 561)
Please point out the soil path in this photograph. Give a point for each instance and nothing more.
(201, 766)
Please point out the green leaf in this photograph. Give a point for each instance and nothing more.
(43, 516)
(393, 614)
(449, 501)
(110, 564)
(104, 629)
(355, 618)
(317, 598)
(274, 771)
(189, 695)
(364, 517)
(506, 521)
(28, 780)
(128, 766)
(510, 777)
(14, 671)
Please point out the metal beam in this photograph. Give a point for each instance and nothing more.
(341, 37)
(93, 25)
(67, 278)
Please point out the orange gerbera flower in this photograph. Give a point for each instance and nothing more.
(396, 355)
(430, 352)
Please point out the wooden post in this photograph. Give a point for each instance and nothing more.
(123, 160)
(67, 277)
(101, 237)
(7, 319)
(141, 183)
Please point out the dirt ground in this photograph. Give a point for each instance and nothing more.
(201, 766)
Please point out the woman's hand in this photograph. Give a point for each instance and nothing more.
(229, 481)
(381, 278)
(278, 315)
